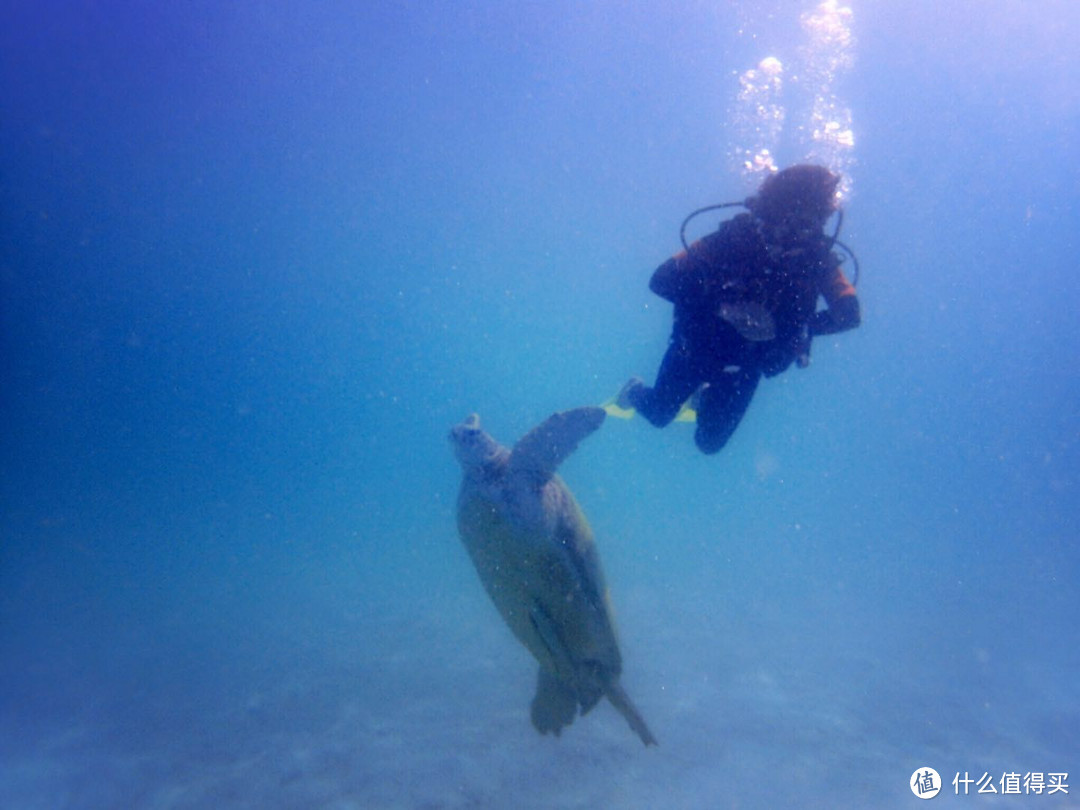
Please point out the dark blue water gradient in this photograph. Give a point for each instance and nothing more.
(256, 261)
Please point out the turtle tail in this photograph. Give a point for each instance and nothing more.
(621, 701)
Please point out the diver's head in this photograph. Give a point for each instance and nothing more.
(798, 199)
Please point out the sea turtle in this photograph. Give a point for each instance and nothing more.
(534, 552)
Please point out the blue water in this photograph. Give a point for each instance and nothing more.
(256, 259)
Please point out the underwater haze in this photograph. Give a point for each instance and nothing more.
(256, 259)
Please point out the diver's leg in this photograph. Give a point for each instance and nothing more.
(723, 403)
(676, 380)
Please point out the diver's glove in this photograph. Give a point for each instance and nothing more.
(841, 316)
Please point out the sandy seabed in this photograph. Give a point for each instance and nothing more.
(428, 708)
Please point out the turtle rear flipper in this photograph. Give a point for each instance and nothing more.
(554, 706)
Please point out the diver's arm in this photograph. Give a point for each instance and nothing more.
(840, 317)
(666, 279)
(843, 306)
(688, 278)
(674, 280)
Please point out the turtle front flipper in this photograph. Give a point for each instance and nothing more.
(546, 446)
(555, 704)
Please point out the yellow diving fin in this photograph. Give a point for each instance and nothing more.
(612, 409)
(686, 412)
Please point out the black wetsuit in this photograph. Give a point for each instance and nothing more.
(732, 272)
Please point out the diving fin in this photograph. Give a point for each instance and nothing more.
(613, 409)
(687, 413)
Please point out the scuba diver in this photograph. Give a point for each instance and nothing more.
(745, 301)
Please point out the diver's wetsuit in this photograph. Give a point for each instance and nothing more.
(740, 313)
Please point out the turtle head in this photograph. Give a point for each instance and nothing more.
(472, 446)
